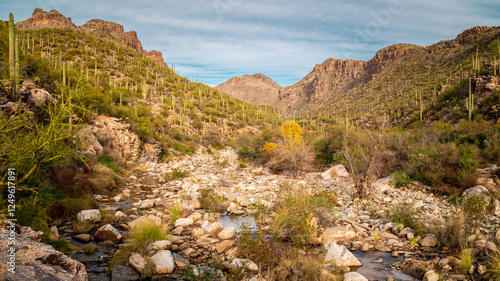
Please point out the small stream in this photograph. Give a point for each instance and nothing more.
(379, 271)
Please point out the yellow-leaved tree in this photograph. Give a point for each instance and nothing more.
(290, 154)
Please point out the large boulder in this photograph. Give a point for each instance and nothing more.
(89, 215)
(335, 234)
(354, 276)
(340, 255)
(124, 273)
(337, 171)
(37, 261)
(107, 233)
(164, 261)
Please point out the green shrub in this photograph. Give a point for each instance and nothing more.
(61, 245)
(90, 249)
(108, 161)
(176, 174)
(400, 178)
(174, 213)
(259, 249)
(407, 215)
(210, 200)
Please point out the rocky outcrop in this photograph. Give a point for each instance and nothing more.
(330, 77)
(157, 56)
(41, 19)
(120, 140)
(104, 28)
(37, 261)
(257, 89)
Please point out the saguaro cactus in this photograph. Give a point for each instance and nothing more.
(469, 102)
(16, 66)
(11, 47)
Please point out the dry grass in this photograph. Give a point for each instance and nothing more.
(290, 159)
(146, 231)
(451, 234)
(296, 267)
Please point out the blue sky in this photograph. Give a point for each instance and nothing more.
(214, 40)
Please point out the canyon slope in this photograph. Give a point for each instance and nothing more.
(395, 81)
(96, 27)
(257, 89)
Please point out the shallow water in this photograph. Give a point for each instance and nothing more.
(237, 221)
(379, 271)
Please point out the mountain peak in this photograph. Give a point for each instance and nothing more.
(42, 19)
(256, 88)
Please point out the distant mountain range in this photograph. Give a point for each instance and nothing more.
(391, 82)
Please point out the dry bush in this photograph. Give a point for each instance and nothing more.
(451, 234)
(290, 161)
(296, 267)
(289, 155)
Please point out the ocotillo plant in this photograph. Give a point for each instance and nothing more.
(469, 102)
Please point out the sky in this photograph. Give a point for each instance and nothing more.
(214, 40)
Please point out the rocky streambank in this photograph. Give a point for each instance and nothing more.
(361, 233)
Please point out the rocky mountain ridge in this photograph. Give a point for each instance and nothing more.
(101, 28)
(257, 89)
(350, 83)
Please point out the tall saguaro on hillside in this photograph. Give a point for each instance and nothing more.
(11, 47)
(13, 54)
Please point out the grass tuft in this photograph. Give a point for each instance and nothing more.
(145, 231)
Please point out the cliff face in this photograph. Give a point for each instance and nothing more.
(257, 89)
(335, 82)
(41, 19)
(101, 28)
(110, 29)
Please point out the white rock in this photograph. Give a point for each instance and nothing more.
(160, 245)
(137, 262)
(227, 233)
(431, 275)
(354, 276)
(340, 255)
(146, 204)
(164, 261)
(335, 234)
(477, 190)
(214, 227)
(337, 171)
(197, 232)
(248, 264)
(120, 214)
(89, 215)
(195, 216)
(183, 222)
